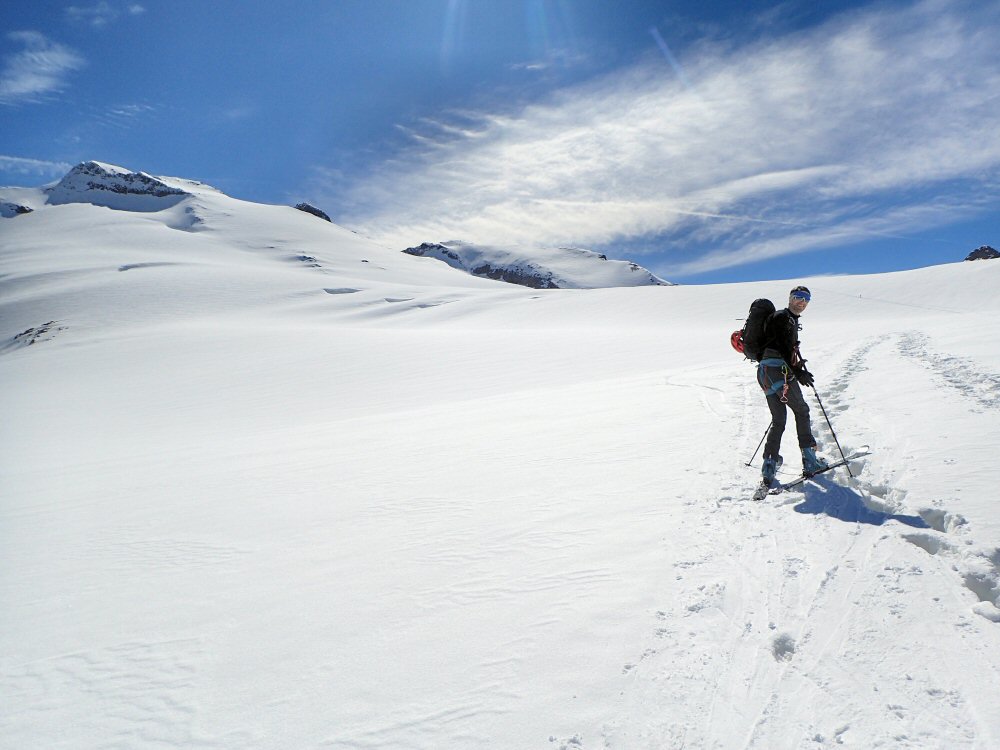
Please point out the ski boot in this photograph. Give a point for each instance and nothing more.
(770, 470)
(811, 463)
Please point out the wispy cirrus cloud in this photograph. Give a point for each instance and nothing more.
(42, 67)
(103, 13)
(876, 123)
(122, 116)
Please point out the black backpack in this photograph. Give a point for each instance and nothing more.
(750, 340)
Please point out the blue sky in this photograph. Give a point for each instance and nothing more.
(709, 140)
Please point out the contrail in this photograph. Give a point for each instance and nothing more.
(670, 58)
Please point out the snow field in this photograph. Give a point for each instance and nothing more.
(239, 509)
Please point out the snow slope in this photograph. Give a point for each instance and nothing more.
(267, 485)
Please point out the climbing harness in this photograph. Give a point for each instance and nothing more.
(770, 383)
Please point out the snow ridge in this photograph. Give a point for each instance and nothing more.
(539, 268)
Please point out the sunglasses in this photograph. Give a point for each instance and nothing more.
(802, 296)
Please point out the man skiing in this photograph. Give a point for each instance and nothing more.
(780, 372)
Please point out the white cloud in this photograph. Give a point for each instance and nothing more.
(240, 112)
(835, 133)
(898, 224)
(97, 15)
(122, 116)
(20, 165)
(40, 68)
(554, 59)
(101, 14)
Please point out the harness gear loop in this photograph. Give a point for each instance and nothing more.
(784, 389)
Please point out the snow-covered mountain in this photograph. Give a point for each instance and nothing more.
(109, 186)
(266, 484)
(539, 268)
(96, 184)
(114, 187)
(196, 248)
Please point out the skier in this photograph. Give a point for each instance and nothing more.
(780, 372)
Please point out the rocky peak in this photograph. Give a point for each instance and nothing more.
(310, 209)
(93, 175)
(115, 187)
(983, 253)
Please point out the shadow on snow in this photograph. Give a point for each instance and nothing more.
(846, 504)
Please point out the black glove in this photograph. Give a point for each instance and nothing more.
(804, 376)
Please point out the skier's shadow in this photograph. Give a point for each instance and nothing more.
(844, 504)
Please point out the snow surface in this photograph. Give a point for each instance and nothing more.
(265, 484)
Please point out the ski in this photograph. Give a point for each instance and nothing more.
(761, 492)
(778, 489)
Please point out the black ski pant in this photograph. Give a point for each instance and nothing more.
(779, 414)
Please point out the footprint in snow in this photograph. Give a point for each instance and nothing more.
(783, 647)
(979, 569)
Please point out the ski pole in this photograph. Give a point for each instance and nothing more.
(758, 445)
(833, 432)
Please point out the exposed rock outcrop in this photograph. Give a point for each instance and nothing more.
(310, 209)
(983, 253)
(9, 210)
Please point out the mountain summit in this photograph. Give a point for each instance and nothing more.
(115, 187)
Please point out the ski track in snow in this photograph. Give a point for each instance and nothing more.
(729, 686)
(978, 566)
(958, 373)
